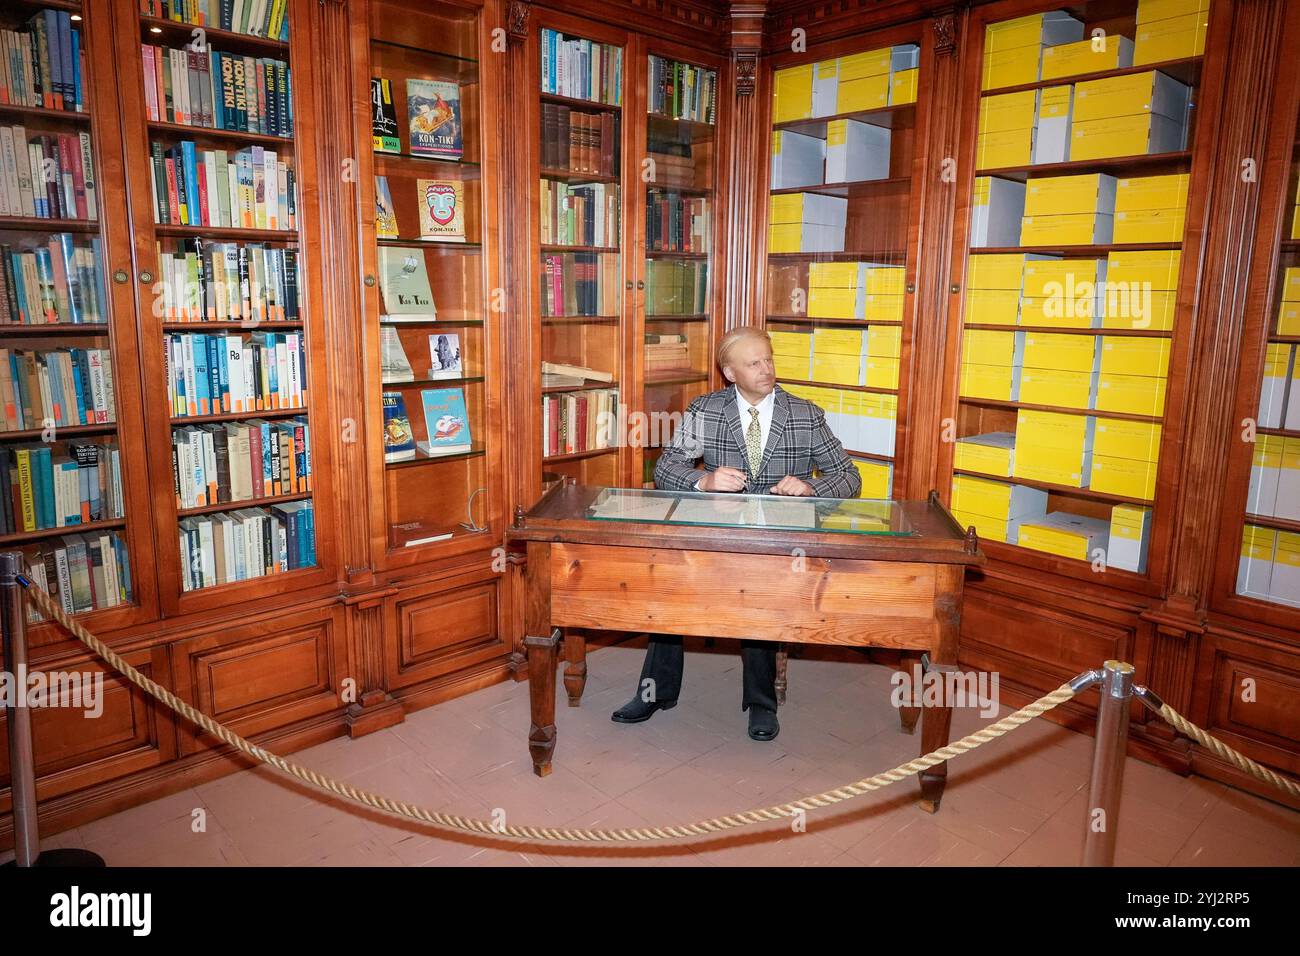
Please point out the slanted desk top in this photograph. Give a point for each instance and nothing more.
(861, 529)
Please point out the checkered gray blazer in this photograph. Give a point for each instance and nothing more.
(798, 442)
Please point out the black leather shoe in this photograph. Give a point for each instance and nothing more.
(763, 724)
(637, 710)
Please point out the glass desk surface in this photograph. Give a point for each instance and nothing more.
(779, 512)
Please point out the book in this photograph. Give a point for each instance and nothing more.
(409, 534)
(383, 116)
(385, 211)
(554, 368)
(442, 213)
(399, 444)
(444, 356)
(393, 361)
(446, 421)
(404, 285)
(433, 116)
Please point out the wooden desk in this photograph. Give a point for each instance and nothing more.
(814, 586)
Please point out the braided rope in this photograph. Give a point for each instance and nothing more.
(1219, 748)
(446, 821)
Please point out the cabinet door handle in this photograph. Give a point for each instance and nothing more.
(120, 276)
(640, 284)
(146, 277)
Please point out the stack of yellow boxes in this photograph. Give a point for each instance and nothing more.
(877, 478)
(1170, 30)
(1272, 386)
(1255, 566)
(993, 453)
(1069, 210)
(1151, 208)
(1128, 115)
(1130, 536)
(1013, 49)
(1060, 368)
(1066, 534)
(792, 355)
(792, 93)
(856, 290)
(1141, 288)
(991, 363)
(1092, 55)
(1053, 447)
(839, 356)
(1006, 130)
(1133, 375)
(1063, 293)
(997, 206)
(993, 287)
(995, 508)
(806, 222)
(1052, 128)
(1288, 313)
(1124, 459)
(884, 345)
(886, 287)
(865, 81)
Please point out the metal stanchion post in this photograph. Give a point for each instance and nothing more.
(22, 762)
(1109, 750)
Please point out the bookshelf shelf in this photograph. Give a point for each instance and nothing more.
(553, 247)
(163, 130)
(1082, 252)
(232, 233)
(1063, 409)
(676, 318)
(1054, 329)
(214, 325)
(1280, 524)
(579, 455)
(870, 456)
(40, 224)
(237, 416)
(1055, 488)
(432, 323)
(1148, 164)
(584, 387)
(26, 536)
(848, 388)
(860, 186)
(581, 320)
(438, 382)
(586, 106)
(888, 117)
(441, 245)
(573, 176)
(860, 255)
(54, 328)
(478, 451)
(384, 157)
(244, 503)
(675, 377)
(155, 29)
(64, 431)
(816, 322)
(1185, 70)
(44, 113)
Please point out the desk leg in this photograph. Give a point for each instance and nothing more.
(575, 664)
(907, 716)
(541, 699)
(936, 723)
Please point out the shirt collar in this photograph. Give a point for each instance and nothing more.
(763, 406)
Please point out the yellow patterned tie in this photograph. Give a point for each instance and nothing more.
(754, 442)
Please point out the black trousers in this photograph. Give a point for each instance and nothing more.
(664, 658)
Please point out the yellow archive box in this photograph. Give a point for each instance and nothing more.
(1000, 270)
(1063, 277)
(1123, 476)
(793, 366)
(836, 369)
(1008, 111)
(1010, 67)
(884, 341)
(1056, 430)
(1061, 195)
(827, 303)
(1149, 10)
(1072, 59)
(1057, 472)
(1000, 382)
(988, 528)
(1255, 567)
(1132, 394)
(1121, 438)
(835, 275)
(838, 341)
(885, 280)
(1136, 134)
(1151, 192)
(1157, 268)
(1059, 312)
(1061, 387)
(807, 208)
(791, 343)
(1291, 284)
(883, 308)
(1135, 355)
(1131, 93)
(870, 63)
(1150, 225)
(1126, 307)
(792, 93)
(1064, 534)
(992, 453)
(1054, 350)
(989, 347)
(1036, 30)
(877, 478)
(882, 372)
(867, 93)
(1173, 38)
(902, 87)
(1073, 229)
(1288, 318)
(997, 499)
(1012, 147)
(992, 306)
(1129, 531)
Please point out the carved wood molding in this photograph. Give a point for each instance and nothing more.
(746, 73)
(517, 21)
(945, 32)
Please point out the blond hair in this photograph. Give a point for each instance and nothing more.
(737, 335)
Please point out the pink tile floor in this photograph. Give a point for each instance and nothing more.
(1016, 802)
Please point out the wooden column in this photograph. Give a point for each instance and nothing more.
(743, 299)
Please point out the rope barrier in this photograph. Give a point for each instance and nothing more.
(459, 824)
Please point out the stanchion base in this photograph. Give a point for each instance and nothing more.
(66, 858)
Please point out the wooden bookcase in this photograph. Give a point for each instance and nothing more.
(432, 494)
(868, 122)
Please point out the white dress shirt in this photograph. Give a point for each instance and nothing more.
(765, 407)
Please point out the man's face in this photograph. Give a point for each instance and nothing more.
(751, 367)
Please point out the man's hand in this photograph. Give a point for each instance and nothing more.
(724, 479)
(790, 485)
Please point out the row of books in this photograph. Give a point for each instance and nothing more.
(59, 386)
(581, 283)
(259, 18)
(579, 421)
(446, 423)
(214, 374)
(581, 69)
(250, 189)
(441, 205)
(580, 142)
(240, 461)
(682, 91)
(81, 572)
(444, 357)
(673, 287)
(666, 351)
(201, 280)
(61, 281)
(248, 543)
(676, 223)
(41, 65)
(58, 485)
(433, 118)
(48, 176)
(579, 215)
(218, 90)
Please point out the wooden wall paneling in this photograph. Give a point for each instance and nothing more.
(747, 176)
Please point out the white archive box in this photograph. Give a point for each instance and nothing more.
(797, 160)
(1052, 130)
(856, 151)
(825, 87)
(997, 207)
